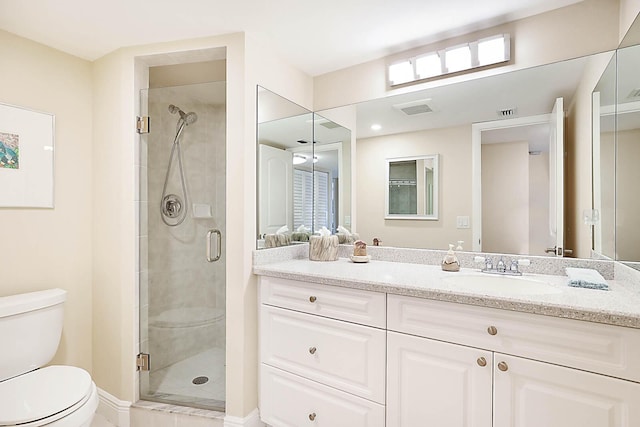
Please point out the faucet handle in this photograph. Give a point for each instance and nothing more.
(488, 265)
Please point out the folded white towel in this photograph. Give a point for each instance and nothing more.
(586, 278)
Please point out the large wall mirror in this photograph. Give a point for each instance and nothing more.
(304, 172)
(616, 154)
(437, 120)
(518, 105)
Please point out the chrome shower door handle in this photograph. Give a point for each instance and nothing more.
(218, 246)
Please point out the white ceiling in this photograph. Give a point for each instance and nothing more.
(316, 37)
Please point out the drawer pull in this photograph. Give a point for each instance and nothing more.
(482, 361)
(312, 416)
(492, 330)
(312, 350)
(503, 366)
(312, 299)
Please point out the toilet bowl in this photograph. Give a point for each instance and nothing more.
(32, 395)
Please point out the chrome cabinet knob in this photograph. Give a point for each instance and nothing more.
(503, 366)
(312, 350)
(312, 416)
(482, 361)
(492, 330)
(312, 299)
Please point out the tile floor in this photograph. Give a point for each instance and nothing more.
(100, 421)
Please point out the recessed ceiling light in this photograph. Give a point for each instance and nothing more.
(376, 126)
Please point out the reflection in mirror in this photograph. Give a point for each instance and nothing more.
(285, 168)
(439, 120)
(332, 175)
(627, 155)
(604, 123)
(412, 188)
(304, 172)
(616, 154)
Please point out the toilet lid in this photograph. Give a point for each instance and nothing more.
(42, 393)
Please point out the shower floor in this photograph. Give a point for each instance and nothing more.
(174, 384)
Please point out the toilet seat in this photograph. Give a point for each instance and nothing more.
(43, 396)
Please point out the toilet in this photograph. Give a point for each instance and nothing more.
(30, 394)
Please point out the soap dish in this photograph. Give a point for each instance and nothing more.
(360, 258)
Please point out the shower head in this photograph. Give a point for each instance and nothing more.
(188, 118)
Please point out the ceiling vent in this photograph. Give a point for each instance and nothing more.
(635, 93)
(330, 125)
(508, 112)
(421, 106)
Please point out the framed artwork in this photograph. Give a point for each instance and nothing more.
(26, 158)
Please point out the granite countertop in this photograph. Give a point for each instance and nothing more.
(618, 306)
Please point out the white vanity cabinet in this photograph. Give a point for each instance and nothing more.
(344, 357)
(473, 367)
(322, 354)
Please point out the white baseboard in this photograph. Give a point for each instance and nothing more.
(251, 420)
(116, 411)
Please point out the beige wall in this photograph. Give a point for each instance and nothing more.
(48, 248)
(248, 63)
(607, 164)
(627, 199)
(583, 28)
(629, 9)
(505, 197)
(539, 236)
(454, 147)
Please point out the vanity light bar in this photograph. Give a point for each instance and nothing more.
(479, 53)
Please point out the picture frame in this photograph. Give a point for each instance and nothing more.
(26, 158)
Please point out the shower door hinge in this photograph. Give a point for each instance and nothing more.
(142, 362)
(142, 124)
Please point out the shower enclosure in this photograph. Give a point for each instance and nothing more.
(182, 256)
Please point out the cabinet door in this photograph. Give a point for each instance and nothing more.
(536, 394)
(433, 383)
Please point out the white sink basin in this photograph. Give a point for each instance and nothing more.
(512, 285)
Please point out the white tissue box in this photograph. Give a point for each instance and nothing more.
(323, 248)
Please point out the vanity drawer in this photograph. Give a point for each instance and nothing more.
(287, 400)
(595, 347)
(344, 355)
(352, 305)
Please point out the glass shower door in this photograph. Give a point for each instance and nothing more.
(182, 255)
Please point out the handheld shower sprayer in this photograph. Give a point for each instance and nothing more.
(172, 206)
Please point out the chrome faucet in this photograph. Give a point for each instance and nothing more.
(500, 267)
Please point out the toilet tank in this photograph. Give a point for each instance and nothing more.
(30, 330)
